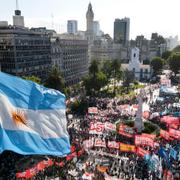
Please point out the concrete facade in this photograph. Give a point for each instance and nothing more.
(71, 57)
(24, 52)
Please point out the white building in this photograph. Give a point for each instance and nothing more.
(72, 26)
(140, 70)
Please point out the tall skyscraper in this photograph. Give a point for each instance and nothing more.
(18, 20)
(72, 26)
(89, 21)
(121, 30)
(96, 28)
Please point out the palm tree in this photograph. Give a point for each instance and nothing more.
(55, 79)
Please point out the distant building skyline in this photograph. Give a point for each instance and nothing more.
(72, 26)
(121, 30)
(146, 16)
(96, 28)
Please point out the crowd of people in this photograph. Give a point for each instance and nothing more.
(102, 161)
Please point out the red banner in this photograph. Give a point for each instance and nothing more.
(40, 166)
(113, 144)
(127, 147)
(21, 175)
(164, 134)
(92, 110)
(141, 140)
(31, 172)
(99, 143)
(141, 152)
(170, 120)
(96, 128)
(174, 133)
(109, 126)
(152, 136)
(126, 131)
(174, 126)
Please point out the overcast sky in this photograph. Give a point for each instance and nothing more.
(146, 16)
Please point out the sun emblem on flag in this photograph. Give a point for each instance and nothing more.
(19, 117)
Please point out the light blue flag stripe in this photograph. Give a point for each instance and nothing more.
(29, 95)
(28, 143)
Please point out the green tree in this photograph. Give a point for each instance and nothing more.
(157, 65)
(176, 49)
(166, 55)
(174, 62)
(32, 78)
(128, 77)
(87, 84)
(116, 72)
(106, 68)
(101, 80)
(94, 84)
(55, 80)
(93, 69)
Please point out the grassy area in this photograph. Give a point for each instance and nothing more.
(148, 127)
(138, 86)
(121, 91)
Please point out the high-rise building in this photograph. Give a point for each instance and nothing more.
(70, 55)
(121, 30)
(72, 26)
(96, 28)
(89, 21)
(24, 52)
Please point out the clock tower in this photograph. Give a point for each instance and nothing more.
(89, 23)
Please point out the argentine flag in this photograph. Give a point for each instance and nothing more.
(32, 118)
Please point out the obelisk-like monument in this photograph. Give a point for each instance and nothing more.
(139, 125)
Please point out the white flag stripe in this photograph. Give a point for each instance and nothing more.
(46, 123)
